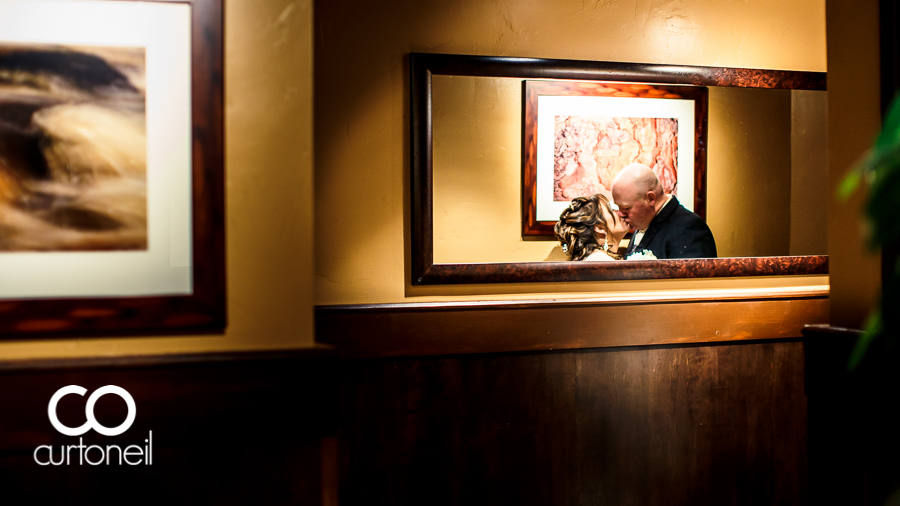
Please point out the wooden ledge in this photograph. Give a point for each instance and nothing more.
(713, 295)
(450, 328)
(149, 361)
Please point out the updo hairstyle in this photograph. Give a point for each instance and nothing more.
(575, 228)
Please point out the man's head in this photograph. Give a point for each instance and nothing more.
(638, 194)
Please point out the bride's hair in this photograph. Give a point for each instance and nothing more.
(575, 228)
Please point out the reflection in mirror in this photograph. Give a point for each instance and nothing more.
(765, 172)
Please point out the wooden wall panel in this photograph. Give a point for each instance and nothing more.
(684, 423)
(719, 424)
(243, 428)
(389, 330)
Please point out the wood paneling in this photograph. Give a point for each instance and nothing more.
(721, 424)
(485, 327)
(715, 423)
(242, 428)
(533, 272)
(548, 68)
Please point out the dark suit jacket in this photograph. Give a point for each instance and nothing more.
(676, 233)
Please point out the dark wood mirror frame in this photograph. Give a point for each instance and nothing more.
(425, 272)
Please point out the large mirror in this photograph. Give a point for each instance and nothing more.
(766, 157)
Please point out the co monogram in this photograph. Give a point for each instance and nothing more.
(92, 422)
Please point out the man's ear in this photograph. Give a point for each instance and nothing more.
(651, 197)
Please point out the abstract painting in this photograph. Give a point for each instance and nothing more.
(590, 151)
(578, 135)
(112, 187)
(73, 148)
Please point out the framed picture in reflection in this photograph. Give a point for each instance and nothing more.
(578, 135)
(111, 176)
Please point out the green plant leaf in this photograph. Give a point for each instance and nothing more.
(879, 170)
(849, 184)
(890, 130)
(873, 328)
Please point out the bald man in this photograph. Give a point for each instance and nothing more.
(662, 225)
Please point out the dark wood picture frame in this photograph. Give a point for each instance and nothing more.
(531, 90)
(204, 310)
(423, 269)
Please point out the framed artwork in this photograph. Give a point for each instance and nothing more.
(577, 135)
(111, 167)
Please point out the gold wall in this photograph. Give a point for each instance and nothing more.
(854, 118)
(278, 267)
(477, 130)
(269, 186)
(362, 113)
(809, 167)
(749, 171)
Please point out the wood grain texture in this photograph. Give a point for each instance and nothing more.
(421, 161)
(720, 424)
(227, 429)
(547, 68)
(534, 89)
(533, 272)
(409, 330)
(205, 308)
(422, 267)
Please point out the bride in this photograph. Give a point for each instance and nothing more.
(590, 230)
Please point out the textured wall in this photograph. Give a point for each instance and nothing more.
(268, 165)
(749, 174)
(750, 195)
(478, 172)
(854, 118)
(362, 113)
(809, 154)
